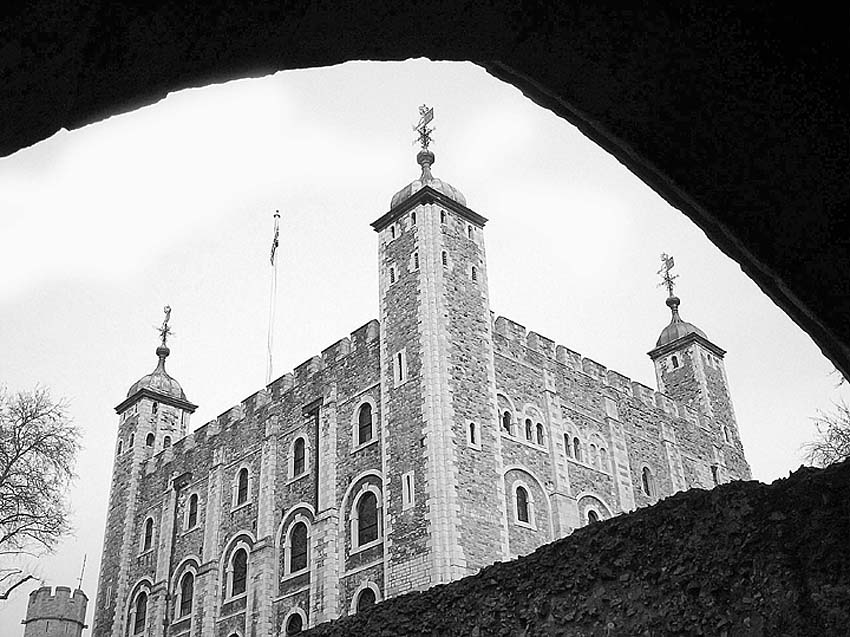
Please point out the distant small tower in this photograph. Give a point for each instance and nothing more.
(58, 614)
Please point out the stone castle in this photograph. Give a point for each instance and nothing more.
(428, 444)
(55, 613)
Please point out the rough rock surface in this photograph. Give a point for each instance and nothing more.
(742, 559)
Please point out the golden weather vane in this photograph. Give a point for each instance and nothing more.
(426, 116)
(667, 279)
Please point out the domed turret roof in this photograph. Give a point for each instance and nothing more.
(425, 158)
(158, 380)
(677, 327)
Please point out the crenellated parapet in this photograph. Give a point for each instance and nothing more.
(55, 612)
(517, 336)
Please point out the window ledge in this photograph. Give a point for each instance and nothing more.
(236, 598)
(303, 474)
(239, 507)
(369, 443)
(194, 528)
(525, 525)
(294, 574)
(581, 463)
(146, 552)
(365, 547)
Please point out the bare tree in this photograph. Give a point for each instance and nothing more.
(832, 442)
(38, 448)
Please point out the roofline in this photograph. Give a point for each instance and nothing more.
(163, 398)
(684, 340)
(427, 194)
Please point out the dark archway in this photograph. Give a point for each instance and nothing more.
(736, 116)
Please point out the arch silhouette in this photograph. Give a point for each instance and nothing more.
(734, 115)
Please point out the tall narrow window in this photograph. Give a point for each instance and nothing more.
(474, 273)
(540, 437)
(392, 231)
(647, 482)
(714, 476)
(603, 458)
(442, 216)
(577, 449)
(364, 424)
(469, 231)
(366, 599)
(192, 516)
(413, 218)
(239, 579)
(166, 442)
(407, 490)
(522, 505)
(298, 548)
(242, 487)
(392, 274)
(506, 421)
(415, 260)
(592, 454)
(141, 613)
(445, 258)
(149, 440)
(529, 434)
(155, 408)
(187, 592)
(294, 624)
(400, 365)
(367, 519)
(120, 447)
(147, 540)
(592, 516)
(568, 447)
(298, 457)
(132, 440)
(725, 435)
(473, 434)
(675, 361)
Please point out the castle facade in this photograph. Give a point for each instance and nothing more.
(428, 444)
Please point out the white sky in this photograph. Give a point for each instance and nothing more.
(173, 203)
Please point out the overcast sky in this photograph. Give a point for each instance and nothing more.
(172, 204)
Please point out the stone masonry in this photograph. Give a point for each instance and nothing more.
(418, 450)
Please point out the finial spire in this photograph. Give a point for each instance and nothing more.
(668, 280)
(164, 332)
(426, 116)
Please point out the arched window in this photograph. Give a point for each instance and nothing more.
(473, 434)
(714, 475)
(413, 218)
(242, 487)
(592, 516)
(540, 437)
(469, 231)
(577, 449)
(166, 442)
(506, 421)
(132, 440)
(141, 613)
(529, 433)
(294, 624)
(392, 231)
(367, 519)
(725, 434)
(568, 448)
(442, 216)
(192, 515)
(120, 447)
(298, 547)
(366, 599)
(474, 273)
(592, 455)
(415, 260)
(522, 505)
(603, 457)
(648, 482)
(364, 424)
(675, 361)
(155, 408)
(239, 578)
(187, 593)
(147, 538)
(298, 457)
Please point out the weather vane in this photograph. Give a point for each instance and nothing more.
(426, 115)
(667, 279)
(165, 330)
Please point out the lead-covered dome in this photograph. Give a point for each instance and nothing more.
(158, 380)
(677, 327)
(425, 158)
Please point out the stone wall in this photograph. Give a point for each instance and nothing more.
(742, 559)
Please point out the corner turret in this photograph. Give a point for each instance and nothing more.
(58, 614)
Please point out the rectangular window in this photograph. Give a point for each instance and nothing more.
(407, 490)
(400, 368)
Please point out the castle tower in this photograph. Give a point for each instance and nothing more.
(58, 614)
(691, 369)
(154, 414)
(444, 516)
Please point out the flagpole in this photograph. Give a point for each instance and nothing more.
(272, 297)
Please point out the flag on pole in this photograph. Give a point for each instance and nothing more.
(276, 235)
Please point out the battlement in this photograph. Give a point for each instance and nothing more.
(45, 603)
(517, 334)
